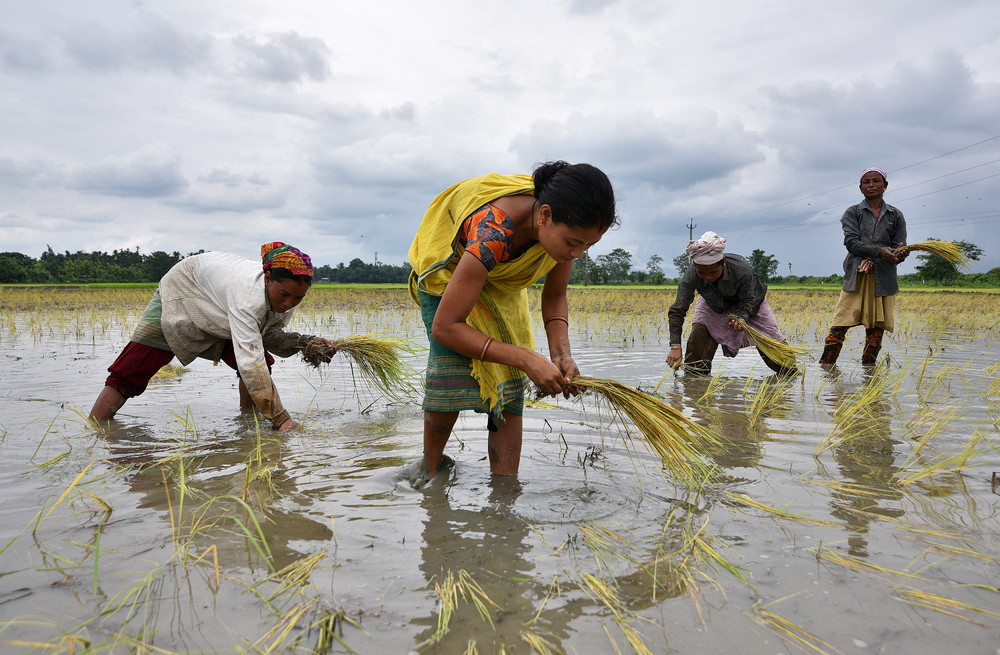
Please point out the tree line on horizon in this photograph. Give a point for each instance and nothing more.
(616, 267)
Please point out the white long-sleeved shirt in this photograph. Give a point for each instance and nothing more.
(217, 296)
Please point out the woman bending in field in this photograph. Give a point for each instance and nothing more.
(217, 305)
(728, 291)
(480, 245)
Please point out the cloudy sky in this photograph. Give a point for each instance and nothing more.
(221, 124)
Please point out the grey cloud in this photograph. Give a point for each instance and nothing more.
(818, 125)
(153, 43)
(283, 58)
(222, 190)
(589, 7)
(23, 54)
(19, 174)
(152, 171)
(645, 149)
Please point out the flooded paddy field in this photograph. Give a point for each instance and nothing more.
(853, 509)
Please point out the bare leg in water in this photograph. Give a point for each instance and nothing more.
(107, 404)
(504, 445)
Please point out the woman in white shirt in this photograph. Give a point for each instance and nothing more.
(218, 306)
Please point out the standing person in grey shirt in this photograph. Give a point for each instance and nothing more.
(875, 237)
(729, 291)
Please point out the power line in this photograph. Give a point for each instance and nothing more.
(850, 186)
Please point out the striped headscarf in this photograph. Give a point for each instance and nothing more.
(280, 255)
(706, 249)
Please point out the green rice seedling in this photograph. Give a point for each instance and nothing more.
(540, 644)
(933, 421)
(256, 468)
(607, 596)
(606, 542)
(785, 629)
(377, 359)
(330, 627)
(854, 412)
(292, 578)
(671, 435)
(777, 351)
(862, 565)
(946, 464)
(769, 393)
(274, 640)
(449, 590)
(743, 499)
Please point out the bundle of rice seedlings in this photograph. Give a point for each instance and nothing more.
(377, 358)
(676, 439)
(947, 250)
(777, 351)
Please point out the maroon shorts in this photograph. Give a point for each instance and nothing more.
(138, 363)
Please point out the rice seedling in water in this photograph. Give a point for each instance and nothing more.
(946, 464)
(785, 629)
(449, 590)
(377, 358)
(947, 605)
(539, 644)
(851, 414)
(768, 394)
(743, 499)
(331, 630)
(777, 351)
(671, 435)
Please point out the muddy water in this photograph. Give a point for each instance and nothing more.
(178, 527)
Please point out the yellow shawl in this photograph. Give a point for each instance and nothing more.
(502, 309)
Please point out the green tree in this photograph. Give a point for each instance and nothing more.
(615, 265)
(158, 263)
(937, 269)
(582, 271)
(764, 265)
(654, 267)
(682, 263)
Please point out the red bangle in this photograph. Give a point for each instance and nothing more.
(486, 346)
(555, 318)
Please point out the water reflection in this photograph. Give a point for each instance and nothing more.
(489, 540)
(739, 410)
(865, 452)
(197, 485)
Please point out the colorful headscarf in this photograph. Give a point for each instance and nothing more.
(706, 249)
(280, 255)
(885, 178)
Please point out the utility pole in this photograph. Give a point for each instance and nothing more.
(690, 228)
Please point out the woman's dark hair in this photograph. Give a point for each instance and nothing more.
(279, 274)
(580, 195)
